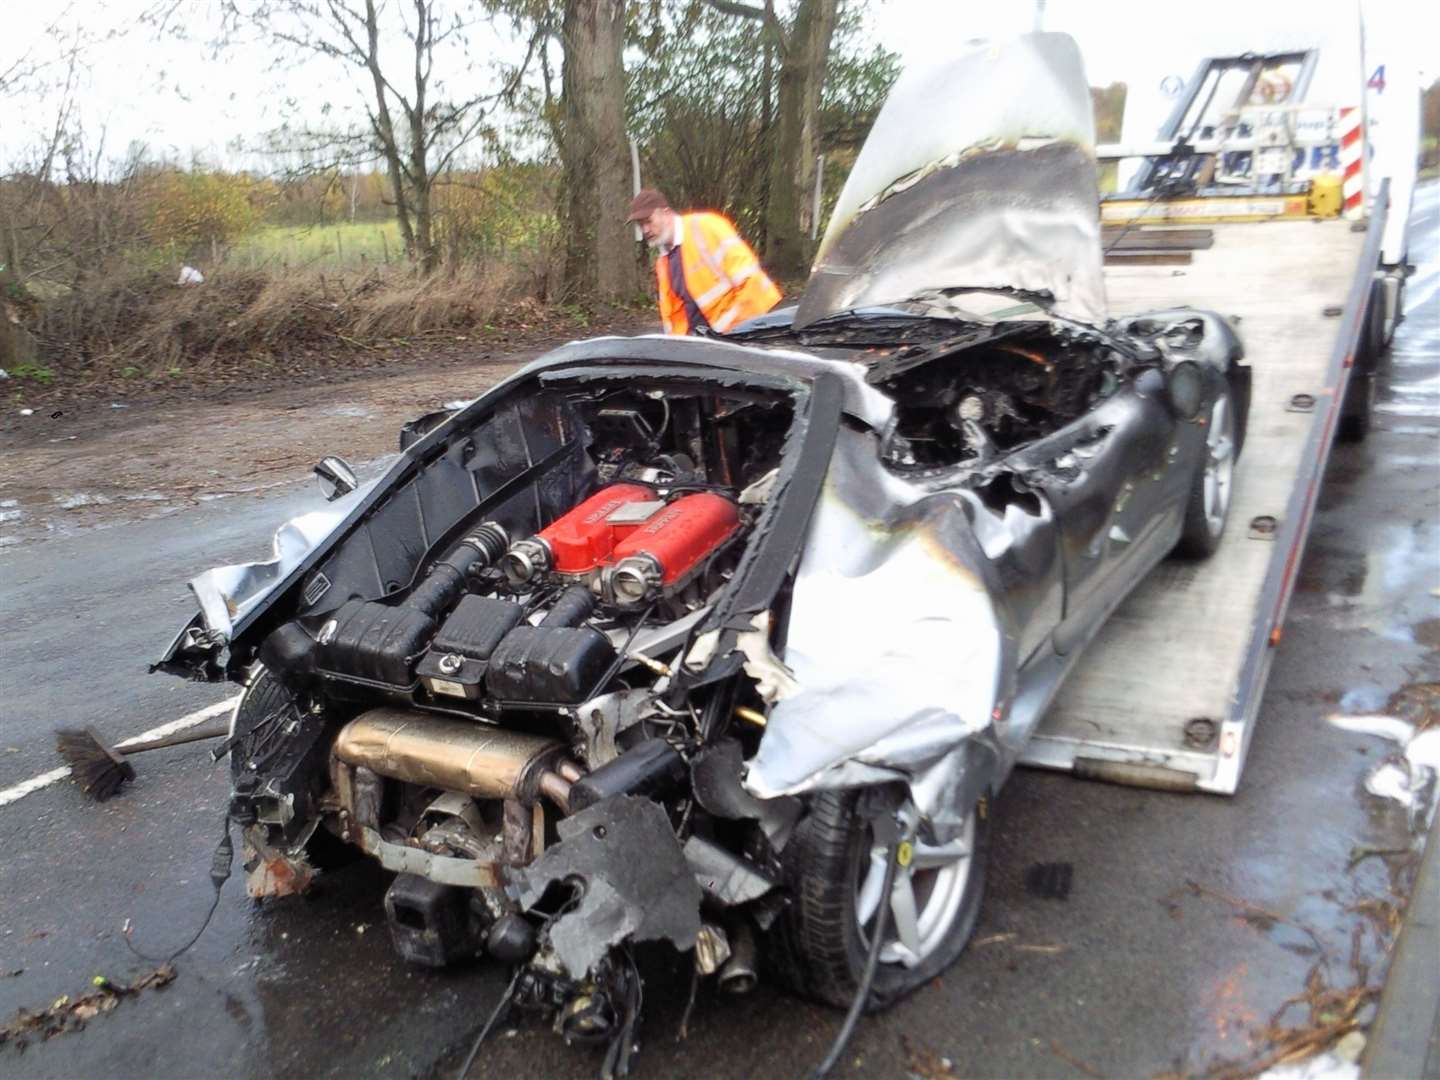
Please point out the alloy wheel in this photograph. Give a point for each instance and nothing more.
(925, 900)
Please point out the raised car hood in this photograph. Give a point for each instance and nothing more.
(978, 174)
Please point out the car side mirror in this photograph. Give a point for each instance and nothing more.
(336, 477)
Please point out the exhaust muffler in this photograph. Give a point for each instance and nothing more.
(457, 755)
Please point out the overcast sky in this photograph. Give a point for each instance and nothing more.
(180, 98)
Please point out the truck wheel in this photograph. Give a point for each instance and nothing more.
(1359, 404)
(835, 872)
(1209, 504)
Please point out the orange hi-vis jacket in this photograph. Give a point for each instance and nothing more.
(722, 274)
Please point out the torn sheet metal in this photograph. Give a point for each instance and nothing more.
(894, 642)
(715, 774)
(271, 871)
(978, 174)
(226, 593)
(773, 679)
(637, 884)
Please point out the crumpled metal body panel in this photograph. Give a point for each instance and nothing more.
(227, 593)
(896, 646)
(979, 173)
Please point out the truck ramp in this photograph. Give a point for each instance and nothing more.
(1167, 694)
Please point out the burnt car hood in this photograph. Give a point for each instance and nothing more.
(979, 175)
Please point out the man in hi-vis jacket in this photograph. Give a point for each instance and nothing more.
(710, 280)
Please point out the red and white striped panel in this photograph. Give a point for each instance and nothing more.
(1352, 150)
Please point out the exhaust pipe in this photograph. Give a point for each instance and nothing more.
(738, 975)
(457, 755)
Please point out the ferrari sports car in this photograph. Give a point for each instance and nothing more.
(730, 642)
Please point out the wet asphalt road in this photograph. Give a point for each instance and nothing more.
(1133, 975)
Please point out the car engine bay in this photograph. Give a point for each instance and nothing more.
(463, 721)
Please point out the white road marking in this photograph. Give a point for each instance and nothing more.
(189, 720)
(19, 791)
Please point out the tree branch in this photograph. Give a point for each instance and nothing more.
(765, 15)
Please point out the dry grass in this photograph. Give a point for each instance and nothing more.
(143, 324)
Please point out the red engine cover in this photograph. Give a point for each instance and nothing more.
(682, 534)
(581, 539)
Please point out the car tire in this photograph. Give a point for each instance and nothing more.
(819, 944)
(1208, 507)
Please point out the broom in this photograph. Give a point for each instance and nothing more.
(101, 769)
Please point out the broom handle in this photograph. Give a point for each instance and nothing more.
(214, 728)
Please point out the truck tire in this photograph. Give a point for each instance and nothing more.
(1354, 426)
(1359, 404)
(1208, 508)
(819, 943)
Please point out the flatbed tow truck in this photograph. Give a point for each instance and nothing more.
(1309, 260)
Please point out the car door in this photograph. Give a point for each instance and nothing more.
(1103, 477)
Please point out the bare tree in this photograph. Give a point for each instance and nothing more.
(413, 124)
(802, 49)
(600, 254)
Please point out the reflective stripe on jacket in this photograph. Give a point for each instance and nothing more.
(722, 273)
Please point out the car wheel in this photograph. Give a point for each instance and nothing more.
(835, 871)
(1209, 505)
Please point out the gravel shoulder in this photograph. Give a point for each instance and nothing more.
(73, 465)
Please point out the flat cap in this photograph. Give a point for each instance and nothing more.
(645, 203)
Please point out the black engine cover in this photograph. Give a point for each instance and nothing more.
(557, 664)
(374, 642)
(455, 665)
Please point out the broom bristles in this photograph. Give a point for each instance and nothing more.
(99, 770)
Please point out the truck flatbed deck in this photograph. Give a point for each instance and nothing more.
(1167, 694)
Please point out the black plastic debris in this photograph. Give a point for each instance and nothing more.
(1050, 881)
(633, 879)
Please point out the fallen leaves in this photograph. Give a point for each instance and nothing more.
(65, 1014)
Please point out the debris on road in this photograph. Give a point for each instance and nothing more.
(1059, 1051)
(1334, 1016)
(66, 1014)
(1050, 881)
(924, 1063)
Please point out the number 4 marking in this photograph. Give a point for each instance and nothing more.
(1377, 80)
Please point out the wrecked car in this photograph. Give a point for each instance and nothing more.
(730, 643)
